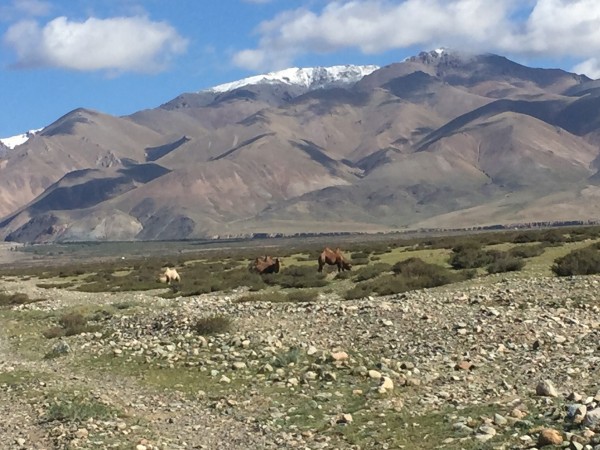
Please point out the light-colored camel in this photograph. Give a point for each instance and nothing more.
(169, 276)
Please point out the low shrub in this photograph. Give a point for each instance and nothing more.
(53, 332)
(585, 261)
(297, 277)
(72, 321)
(410, 274)
(77, 409)
(242, 277)
(380, 248)
(469, 256)
(523, 238)
(345, 275)
(361, 290)
(421, 274)
(70, 324)
(527, 251)
(554, 237)
(290, 357)
(55, 285)
(273, 297)
(303, 295)
(16, 299)
(505, 264)
(359, 261)
(372, 271)
(207, 326)
(393, 284)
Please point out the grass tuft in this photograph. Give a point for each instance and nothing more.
(77, 409)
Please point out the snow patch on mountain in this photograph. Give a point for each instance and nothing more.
(13, 141)
(309, 77)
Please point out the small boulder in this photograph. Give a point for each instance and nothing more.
(549, 436)
(545, 388)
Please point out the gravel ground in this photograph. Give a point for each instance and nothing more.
(512, 363)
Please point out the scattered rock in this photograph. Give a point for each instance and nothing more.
(549, 436)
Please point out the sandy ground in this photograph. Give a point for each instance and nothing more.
(9, 253)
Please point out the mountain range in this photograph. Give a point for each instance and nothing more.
(443, 139)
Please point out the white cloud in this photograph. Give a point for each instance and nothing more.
(562, 27)
(528, 27)
(117, 44)
(590, 67)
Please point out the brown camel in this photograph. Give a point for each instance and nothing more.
(333, 258)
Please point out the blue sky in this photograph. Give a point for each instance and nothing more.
(121, 56)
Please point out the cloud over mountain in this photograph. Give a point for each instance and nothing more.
(115, 44)
(536, 27)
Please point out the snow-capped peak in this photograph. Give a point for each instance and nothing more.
(440, 55)
(13, 141)
(309, 77)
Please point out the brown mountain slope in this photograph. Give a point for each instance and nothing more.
(441, 137)
(508, 156)
(516, 150)
(81, 139)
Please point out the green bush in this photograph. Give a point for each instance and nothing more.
(207, 326)
(359, 261)
(553, 237)
(527, 251)
(410, 274)
(72, 321)
(70, 324)
(273, 297)
(297, 277)
(284, 359)
(469, 256)
(343, 275)
(421, 274)
(55, 285)
(523, 238)
(585, 261)
(302, 295)
(235, 278)
(360, 255)
(53, 332)
(372, 271)
(15, 299)
(394, 284)
(359, 291)
(77, 409)
(505, 264)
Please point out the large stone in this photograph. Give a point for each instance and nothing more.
(463, 365)
(387, 385)
(545, 388)
(576, 412)
(549, 436)
(339, 356)
(374, 374)
(592, 419)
